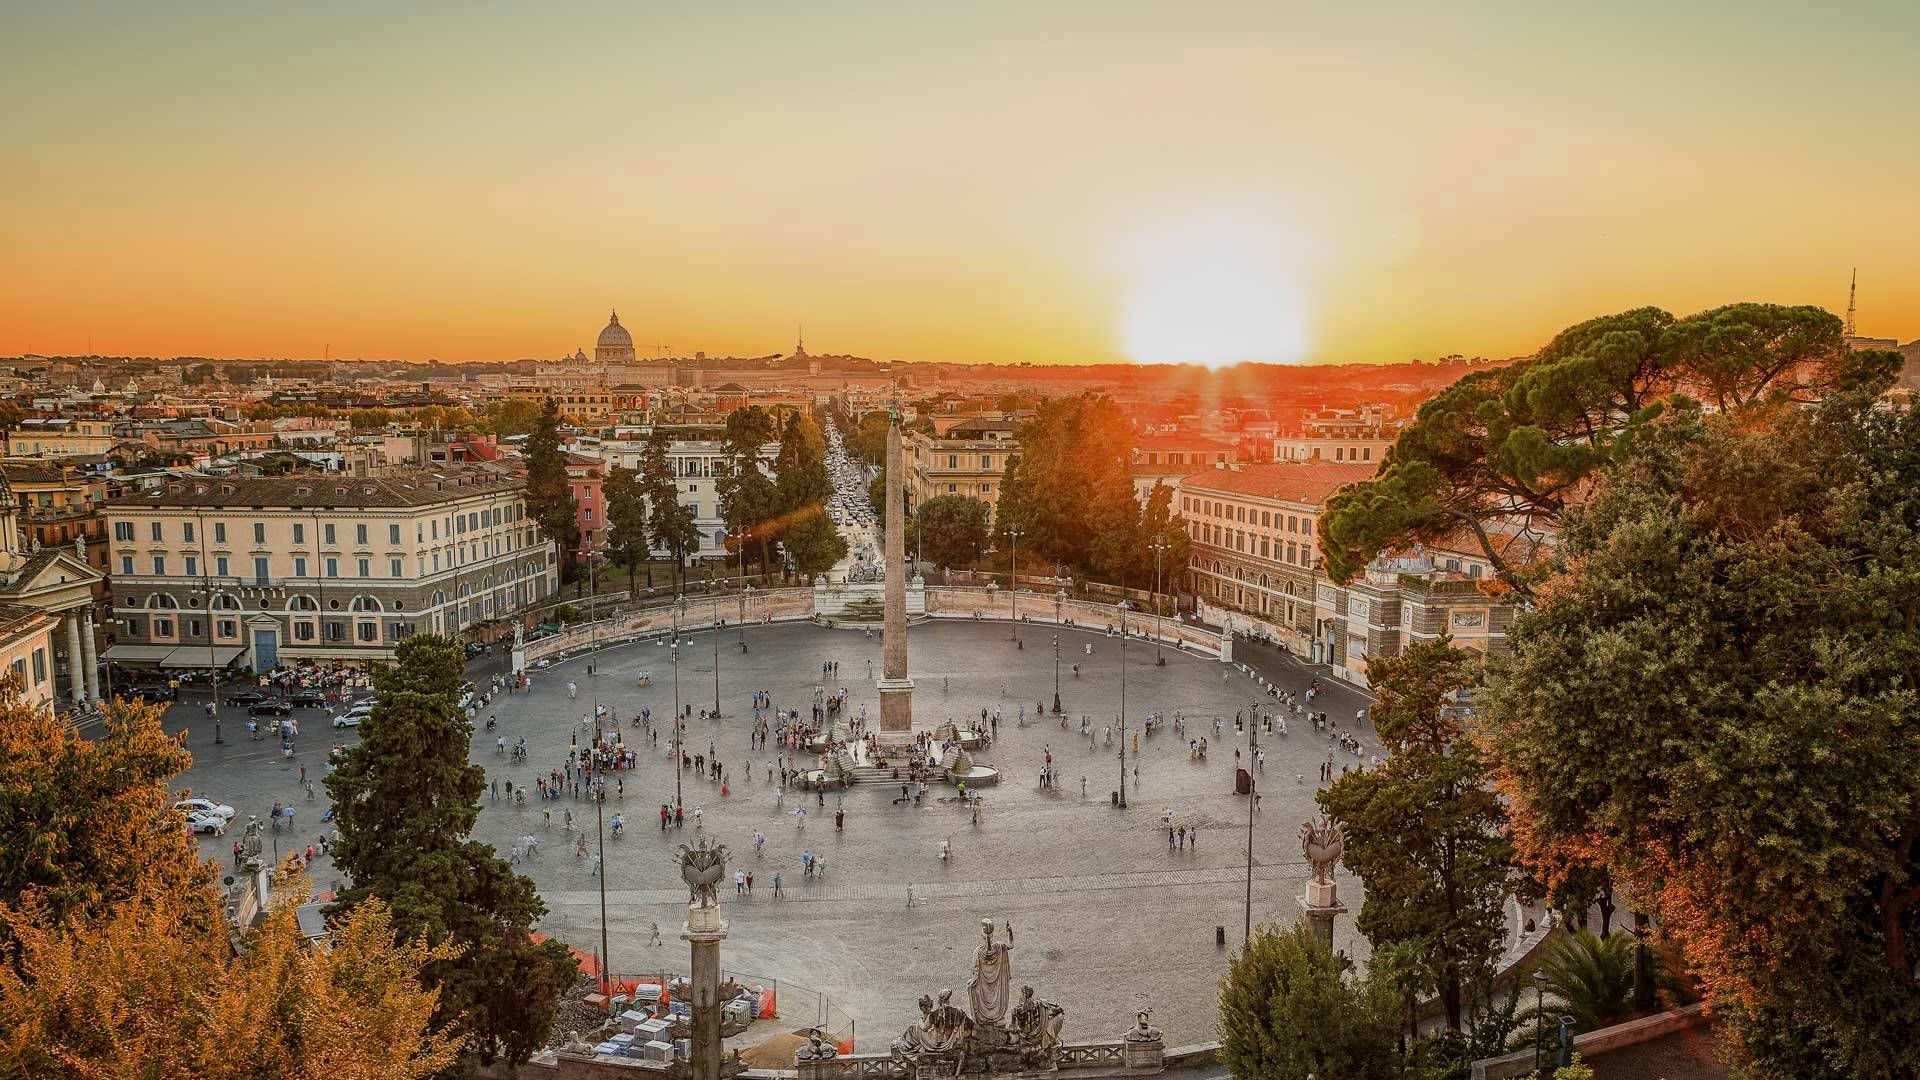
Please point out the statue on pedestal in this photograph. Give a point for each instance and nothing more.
(519, 635)
(702, 868)
(992, 982)
(1034, 1030)
(1323, 845)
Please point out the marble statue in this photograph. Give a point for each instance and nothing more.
(1142, 1031)
(702, 868)
(80, 546)
(519, 635)
(250, 840)
(1323, 844)
(576, 1044)
(992, 982)
(1034, 1028)
(817, 1049)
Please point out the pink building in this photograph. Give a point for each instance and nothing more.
(584, 477)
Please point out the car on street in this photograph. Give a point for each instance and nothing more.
(151, 694)
(306, 699)
(355, 713)
(474, 648)
(270, 708)
(204, 806)
(207, 823)
(245, 697)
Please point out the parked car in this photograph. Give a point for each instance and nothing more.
(474, 648)
(270, 708)
(306, 699)
(245, 697)
(207, 823)
(350, 719)
(152, 694)
(204, 806)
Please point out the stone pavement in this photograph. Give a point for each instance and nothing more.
(1107, 919)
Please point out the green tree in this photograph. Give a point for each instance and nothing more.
(1714, 696)
(814, 543)
(1287, 1010)
(1424, 829)
(1590, 979)
(1515, 445)
(406, 797)
(749, 502)
(628, 541)
(549, 494)
(1071, 491)
(514, 416)
(369, 419)
(87, 824)
(670, 525)
(952, 529)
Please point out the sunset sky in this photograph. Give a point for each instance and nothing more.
(957, 182)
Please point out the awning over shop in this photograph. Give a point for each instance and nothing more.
(199, 656)
(139, 654)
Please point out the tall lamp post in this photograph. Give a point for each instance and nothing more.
(1056, 673)
(716, 656)
(600, 835)
(1159, 549)
(744, 589)
(1013, 582)
(679, 608)
(1123, 695)
(1539, 1012)
(1253, 746)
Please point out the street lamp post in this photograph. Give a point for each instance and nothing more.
(1253, 796)
(716, 656)
(1123, 695)
(600, 834)
(1539, 1011)
(1159, 549)
(744, 589)
(1013, 582)
(679, 607)
(1056, 673)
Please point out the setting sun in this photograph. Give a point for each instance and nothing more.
(1216, 291)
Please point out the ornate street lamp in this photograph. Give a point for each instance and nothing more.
(1013, 582)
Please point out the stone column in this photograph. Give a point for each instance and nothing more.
(88, 650)
(705, 930)
(1321, 904)
(76, 681)
(896, 690)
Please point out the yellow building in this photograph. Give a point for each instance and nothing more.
(970, 460)
(60, 437)
(257, 571)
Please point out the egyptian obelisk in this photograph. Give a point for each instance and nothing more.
(896, 690)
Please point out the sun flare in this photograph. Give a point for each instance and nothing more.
(1216, 291)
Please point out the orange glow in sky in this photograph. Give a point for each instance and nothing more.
(981, 182)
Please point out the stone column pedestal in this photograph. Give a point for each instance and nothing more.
(1321, 904)
(1143, 1054)
(704, 931)
(91, 658)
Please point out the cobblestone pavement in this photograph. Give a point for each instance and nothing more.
(1106, 918)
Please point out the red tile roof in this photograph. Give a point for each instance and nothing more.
(1309, 482)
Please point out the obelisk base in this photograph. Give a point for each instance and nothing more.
(896, 711)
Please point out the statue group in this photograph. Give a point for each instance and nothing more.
(986, 1037)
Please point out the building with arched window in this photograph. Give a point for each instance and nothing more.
(257, 571)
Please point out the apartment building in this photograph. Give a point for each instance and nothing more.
(969, 459)
(1342, 436)
(60, 437)
(258, 571)
(697, 459)
(1256, 555)
(1169, 457)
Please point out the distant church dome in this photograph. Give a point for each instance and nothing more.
(614, 344)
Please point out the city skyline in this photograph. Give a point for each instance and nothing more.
(990, 185)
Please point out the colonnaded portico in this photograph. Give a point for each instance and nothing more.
(55, 581)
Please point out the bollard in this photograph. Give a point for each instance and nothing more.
(1220, 935)
(1113, 797)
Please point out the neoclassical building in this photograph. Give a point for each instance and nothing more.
(253, 572)
(47, 596)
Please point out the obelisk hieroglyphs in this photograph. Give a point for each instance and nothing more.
(896, 690)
